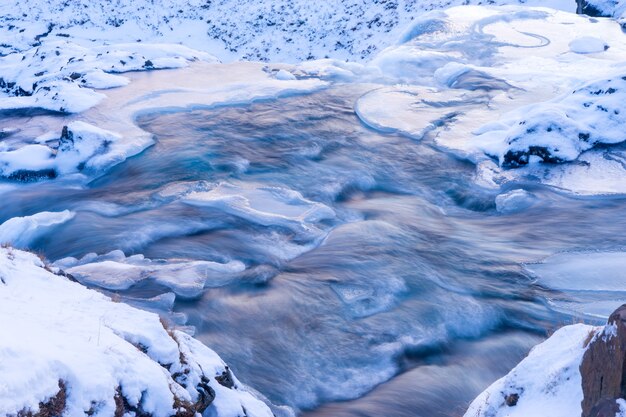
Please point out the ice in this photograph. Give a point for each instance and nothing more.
(413, 111)
(22, 232)
(115, 271)
(285, 75)
(588, 45)
(594, 283)
(585, 271)
(267, 206)
(97, 349)
(513, 201)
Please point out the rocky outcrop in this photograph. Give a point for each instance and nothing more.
(603, 368)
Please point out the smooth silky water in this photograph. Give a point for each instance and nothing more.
(410, 302)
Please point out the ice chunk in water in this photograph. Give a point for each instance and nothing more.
(267, 206)
(413, 111)
(21, 232)
(114, 271)
(515, 200)
(594, 281)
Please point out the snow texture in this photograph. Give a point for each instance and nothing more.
(59, 334)
(547, 382)
(278, 31)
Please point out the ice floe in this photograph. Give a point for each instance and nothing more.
(115, 271)
(267, 206)
(22, 232)
(594, 282)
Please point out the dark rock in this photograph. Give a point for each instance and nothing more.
(55, 406)
(515, 159)
(603, 369)
(75, 76)
(584, 7)
(148, 64)
(605, 408)
(226, 379)
(511, 399)
(206, 397)
(23, 175)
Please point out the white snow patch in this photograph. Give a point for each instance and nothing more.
(547, 381)
(57, 330)
(588, 45)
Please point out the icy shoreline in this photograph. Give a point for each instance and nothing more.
(75, 351)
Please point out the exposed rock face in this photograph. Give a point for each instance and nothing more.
(603, 367)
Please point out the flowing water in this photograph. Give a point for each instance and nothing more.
(408, 301)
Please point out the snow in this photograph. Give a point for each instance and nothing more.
(22, 232)
(547, 381)
(519, 85)
(278, 31)
(115, 271)
(57, 330)
(588, 45)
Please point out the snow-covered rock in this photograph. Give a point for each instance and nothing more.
(546, 383)
(561, 129)
(71, 351)
(578, 371)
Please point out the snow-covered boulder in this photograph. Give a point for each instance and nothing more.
(561, 129)
(578, 371)
(70, 351)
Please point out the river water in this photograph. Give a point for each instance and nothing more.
(408, 301)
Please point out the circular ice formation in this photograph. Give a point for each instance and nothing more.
(588, 45)
(513, 201)
(412, 110)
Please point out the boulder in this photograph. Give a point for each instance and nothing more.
(603, 367)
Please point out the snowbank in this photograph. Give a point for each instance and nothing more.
(72, 350)
(546, 383)
(515, 85)
(279, 31)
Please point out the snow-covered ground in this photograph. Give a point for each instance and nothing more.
(67, 348)
(278, 31)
